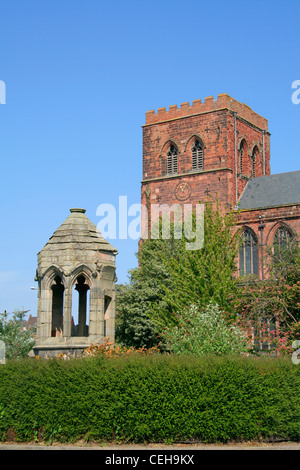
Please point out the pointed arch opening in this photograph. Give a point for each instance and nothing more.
(243, 151)
(197, 155)
(172, 160)
(57, 309)
(254, 160)
(80, 307)
(282, 238)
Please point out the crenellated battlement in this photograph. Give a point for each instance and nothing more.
(224, 101)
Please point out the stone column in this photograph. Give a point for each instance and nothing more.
(67, 312)
(96, 311)
(109, 317)
(45, 313)
(82, 290)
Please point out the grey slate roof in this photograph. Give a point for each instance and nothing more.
(271, 190)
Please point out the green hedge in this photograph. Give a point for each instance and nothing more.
(147, 399)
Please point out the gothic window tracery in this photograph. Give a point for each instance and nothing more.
(282, 238)
(248, 256)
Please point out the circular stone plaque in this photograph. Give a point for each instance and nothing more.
(183, 190)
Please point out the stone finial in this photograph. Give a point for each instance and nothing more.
(77, 209)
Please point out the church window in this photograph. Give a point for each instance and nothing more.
(282, 238)
(172, 160)
(197, 156)
(253, 164)
(254, 160)
(241, 158)
(248, 254)
(243, 153)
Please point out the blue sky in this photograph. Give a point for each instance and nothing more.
(79, 78)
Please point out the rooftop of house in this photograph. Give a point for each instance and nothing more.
(31, 322)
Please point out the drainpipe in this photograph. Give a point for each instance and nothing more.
(235, 160)
(264, 155)
(261, 228)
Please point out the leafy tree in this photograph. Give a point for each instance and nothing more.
(204, 275)
(135, 300)
(133, 326)
(204, 331)
(18, 339)
(170, 278)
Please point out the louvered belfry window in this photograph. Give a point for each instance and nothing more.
(197, 156)
(172, 161)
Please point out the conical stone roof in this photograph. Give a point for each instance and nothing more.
(77, 232)
(77, 242)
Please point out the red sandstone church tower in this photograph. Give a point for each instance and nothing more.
(221, 148)
(210, 148)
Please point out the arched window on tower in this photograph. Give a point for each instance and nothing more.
(241, 156)
(254, 159)
(253, 164)
(243, 153)
(197, 156)
(248, 258)
(172, 160)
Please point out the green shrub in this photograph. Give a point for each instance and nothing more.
(204, 330)
(18, 340)
(157, 398)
